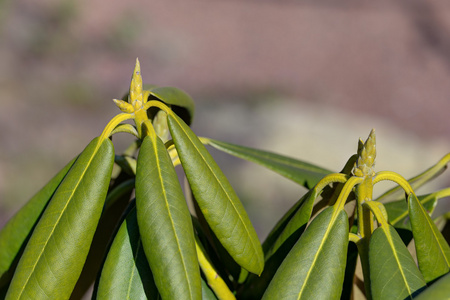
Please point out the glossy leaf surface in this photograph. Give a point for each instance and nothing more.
(298, 171)
(64, 233)
(18, 229)
(126, 273)
(433, 252)
(165, 224)
(314, 269)
(216, 198)
(393, 272)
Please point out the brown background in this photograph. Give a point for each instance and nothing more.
(304, 78)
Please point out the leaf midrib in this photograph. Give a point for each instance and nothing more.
(324, 239)
(223, 189)
(59, 218)
(169, 213)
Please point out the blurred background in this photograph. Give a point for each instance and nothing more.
(300, 78)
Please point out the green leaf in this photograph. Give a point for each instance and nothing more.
(207, 294)
(278, 244)
(433, 252)
(64, 233)
(298, 171)
(165, 224)
(17, 231)
(180, 102)
(216, 198)
(116, 204)
(314, 269)
(439, 290)
(398, 210)
(126, 273)
(393, 272)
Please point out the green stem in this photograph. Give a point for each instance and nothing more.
(112, 124)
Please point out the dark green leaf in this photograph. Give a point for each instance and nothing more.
(393, 272)
(216, 198)
(433, 252)
(298, 171)
(126, 273)
(439, 290)
(63, 235)
(17, 231)
(314, 269)
(165, 224)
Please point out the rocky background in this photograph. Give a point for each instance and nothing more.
(301, 78)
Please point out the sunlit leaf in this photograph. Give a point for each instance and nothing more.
(315, 267)
(433, 252)
(393, 272)
(64, 233)
(17, 231)
(216, 198)
(165, 223)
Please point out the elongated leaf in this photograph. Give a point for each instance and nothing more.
(278, 244)
(314, 269)
(216, 198)
(393, 272)
(126, 273)
(433, 252)
(116, 203)
(63, 235)
(439, 290)
(298, 171)
(165, 224)
(17, 231)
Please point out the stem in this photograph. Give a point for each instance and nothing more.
(365, 228)
(216, 282)
(112, 124)
(397, 178)
(158, 104)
